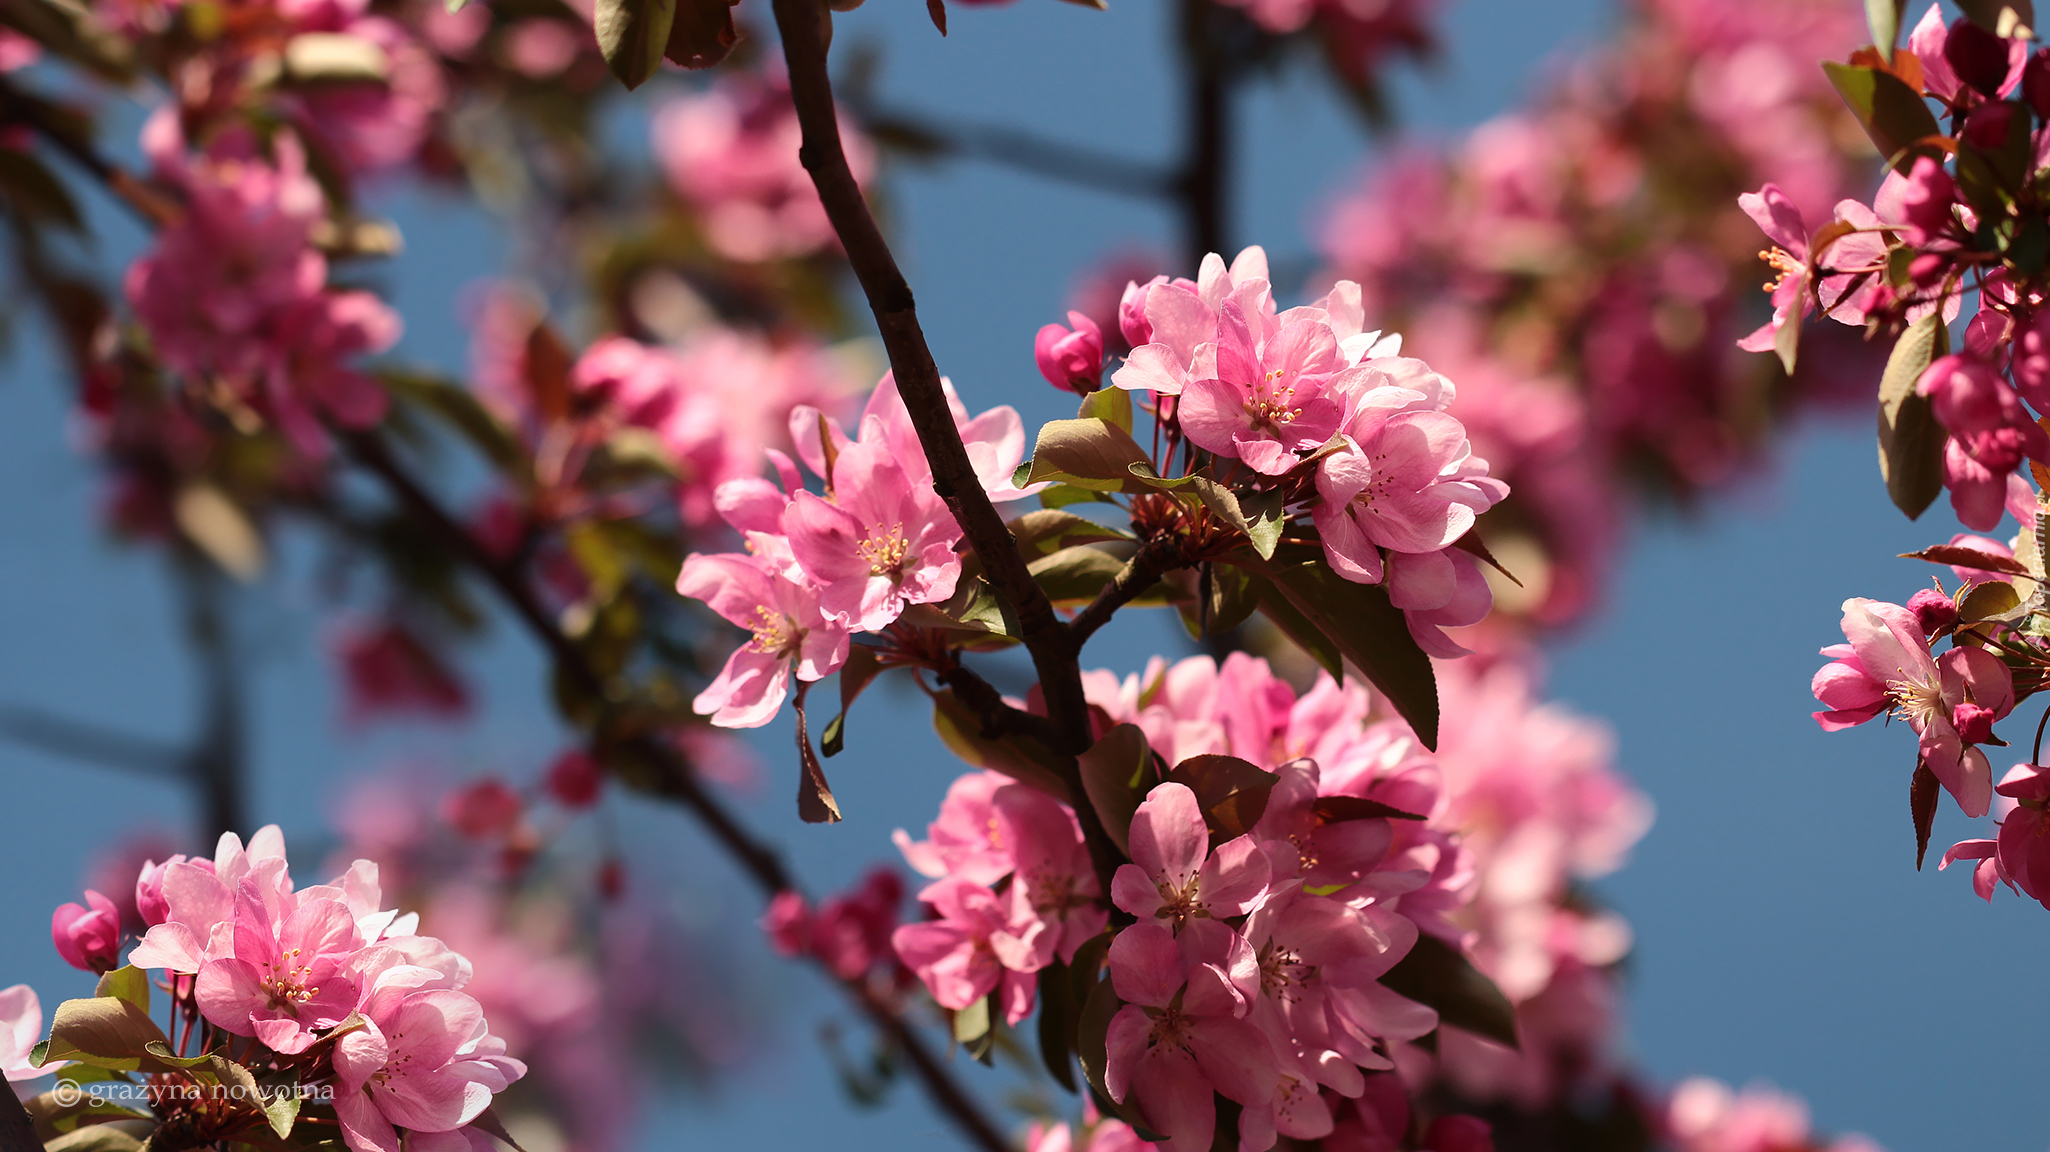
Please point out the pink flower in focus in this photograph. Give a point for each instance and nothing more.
(1174, 876)
(289, 973)
(883, 544)
(1266, 401)
(1071, 358)
(974, 947)
(88, 936)
(2024, 840)
(1182, 1033)
(1055, 882)
(1407, 482)
(423, 1062)
(1888, 655)
(965, 840)
(787, 625)
(1990, 434)
(1178, 320)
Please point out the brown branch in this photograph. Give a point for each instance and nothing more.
(1206, 157)
(1154, 559)
(999, 718)
(805, 26)
(1026, 152)
(54, 124)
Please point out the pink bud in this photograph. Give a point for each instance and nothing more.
(488, 807)
(1974, 723)
(1926, 200)
(1977, 56)
(2031, 363)
(1989, 124)
(87, 938)
(788, 924)
(1969, 395)
(149, 889)
(574, 779)
(1933, 610)
(1132, 321)
(2036, 83)
(1071, 359)
(1459, 1134)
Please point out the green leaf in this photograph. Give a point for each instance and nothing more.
(1058, 1012)
(1231, 792)
(632, 36)
(1093, 454)
(1257, 514)
(104, 1031)
(129, 983)
(95, 1138)
(855, 675)
(1884, 18)
(972, 1023)
(1074, 576)
(1047, 531)
(1115, 773)
(1367, 630)
(67, 1107)
(1112, 404)
(1892, 113)
(1988, 602)
(1020, 757)
(2007, 19)
(162, 1051)
(1225, 595)
(1062, 495)
(1437, 975)
(974, 608)
(1910, 439)
(1299, 628)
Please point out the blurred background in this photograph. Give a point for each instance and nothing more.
(1782, 933)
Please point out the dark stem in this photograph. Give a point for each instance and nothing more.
(91, 743)
(1154, 559)
(1015, 148)
(1206, 154)
(217, 761)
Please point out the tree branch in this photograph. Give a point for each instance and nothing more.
(77, 740)
(1154, 559)
(1016, 148)
(52, 123)
(1206, 157)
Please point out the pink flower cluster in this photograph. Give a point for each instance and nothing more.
(849, 933)
(1252, 971)
(1703, 1115)
(730, 151)
(288, 966)
(1396, 479)
(235, 295)
(1360, 34)
(1579, 268)
(820, 568)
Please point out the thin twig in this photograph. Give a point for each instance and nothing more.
(1026, 152)
(1154, 559)
(91, 743)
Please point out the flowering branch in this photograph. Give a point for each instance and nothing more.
(675, 780)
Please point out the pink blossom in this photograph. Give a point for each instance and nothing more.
(1436, 591)
(1071, 358)
(1888, 654)
(966, 840)
(1990, 872)
(1407, 482)
(2024, 840)
(849, 933)
(486, 808)
(388, 671)
(1181, 1034)
(88, 936)
(975, 947)
(1055, 881)
(289, 973)
(1793, 287)
(574, 779)
(1174, 876)
(1179, 321)
(199, 901)
(995, 439)
(423, 1061)
(882, 544)
(788, 629)
(1266, 401)
(1990, 434)
(150, 903)
(21, 1029)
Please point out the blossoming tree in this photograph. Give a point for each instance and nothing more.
(1321, 883)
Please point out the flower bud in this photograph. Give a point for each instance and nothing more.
(1459, 1134)
(1071, 359)
(787, 923)
(149, 889)
(1979, 58)
(1989, 124)
(1934, 611)
(1926, 198)
(1973, 722)
(1929, 269)
(88, 938)
(1132, 321)
(487, 808)
(574, 779)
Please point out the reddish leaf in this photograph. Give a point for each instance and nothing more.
(702, 33)
(1963, 557)
(1922, 796)
(1232, 792)
(815, 803)
(937, 9)
(1338, 809)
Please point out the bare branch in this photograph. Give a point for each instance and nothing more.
(1026, 152)
(78, 740)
